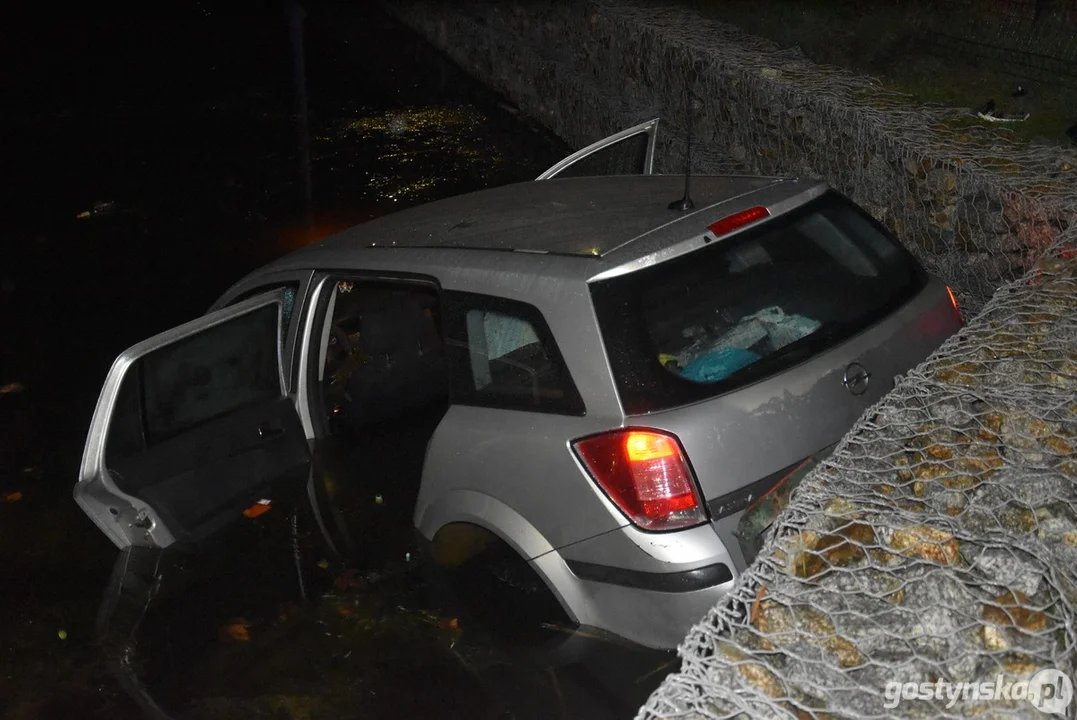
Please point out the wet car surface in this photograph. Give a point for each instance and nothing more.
(150, 176)
(450, 355)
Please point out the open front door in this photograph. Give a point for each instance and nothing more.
(192, 427)
(629, 152)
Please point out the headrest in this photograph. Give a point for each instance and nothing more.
(399, 325)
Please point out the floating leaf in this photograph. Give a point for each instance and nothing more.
(259, 508)
(237, 630)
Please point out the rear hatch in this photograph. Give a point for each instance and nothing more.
(762, 348)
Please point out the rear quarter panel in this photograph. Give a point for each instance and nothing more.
(523, 461)
(518, 461)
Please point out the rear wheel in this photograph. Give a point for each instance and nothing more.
(477, 574)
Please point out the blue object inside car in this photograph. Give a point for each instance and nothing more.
(718, 364)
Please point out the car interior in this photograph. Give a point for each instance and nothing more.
(384, 390)
(710, 319)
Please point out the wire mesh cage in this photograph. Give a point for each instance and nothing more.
(1035, 39)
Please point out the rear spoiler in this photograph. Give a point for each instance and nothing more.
(722, 219)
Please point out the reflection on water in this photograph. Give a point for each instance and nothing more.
(383, 631)
(408, 142)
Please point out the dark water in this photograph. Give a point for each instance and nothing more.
(151, 158)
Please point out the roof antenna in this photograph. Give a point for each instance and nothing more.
(685, 203)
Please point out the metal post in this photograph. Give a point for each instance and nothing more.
(296, 14)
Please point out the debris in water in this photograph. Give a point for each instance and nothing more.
(1020, 91)
(237, 630)
(650, 673)
(287, 611)
(598, 635)
(323, 564)
(62, 634)
(12, 497)
(260, 507)
(98, 209)
(378, 499)
(350, 579)
(11, 388)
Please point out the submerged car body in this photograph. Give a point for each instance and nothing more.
(605, 384)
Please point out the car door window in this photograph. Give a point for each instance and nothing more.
(289, 292)
(195, 380)
(502, 354)
(626, 157)
(629, 152)
(503, 334)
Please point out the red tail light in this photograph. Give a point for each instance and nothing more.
(953, 301)
(645, 474)
(738, 220)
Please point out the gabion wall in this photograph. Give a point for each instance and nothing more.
(976, 208)
(939, 542)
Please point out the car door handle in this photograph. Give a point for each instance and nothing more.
(268, 431)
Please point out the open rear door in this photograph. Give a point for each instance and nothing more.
(192, 428)
(629, 152)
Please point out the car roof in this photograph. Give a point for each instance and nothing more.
(545, 226)
(571, 216)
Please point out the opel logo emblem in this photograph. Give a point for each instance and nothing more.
(856, 379)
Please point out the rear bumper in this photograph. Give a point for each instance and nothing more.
(660, 586)
(673, 582)
(653, 618)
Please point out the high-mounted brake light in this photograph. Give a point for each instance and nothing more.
(738, 220)
(953, 301)
(645, 474)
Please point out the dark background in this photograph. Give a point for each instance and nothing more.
(151, 158)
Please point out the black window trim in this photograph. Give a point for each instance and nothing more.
(572, 405)
(135, 373)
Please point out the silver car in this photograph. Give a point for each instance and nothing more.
(618, 391)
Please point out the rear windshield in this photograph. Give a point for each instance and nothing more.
(750, 306)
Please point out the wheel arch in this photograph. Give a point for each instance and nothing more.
(488, 513)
